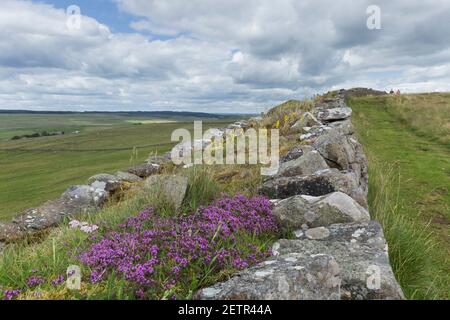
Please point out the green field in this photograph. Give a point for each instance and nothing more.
(408, 137)
(35, 170)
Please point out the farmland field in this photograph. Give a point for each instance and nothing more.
(39, 169)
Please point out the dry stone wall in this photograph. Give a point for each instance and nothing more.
(334, 250)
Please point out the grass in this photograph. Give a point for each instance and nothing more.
(409, 170)
(54, 252)
(33, 171)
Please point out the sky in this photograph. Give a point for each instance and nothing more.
(229, 56)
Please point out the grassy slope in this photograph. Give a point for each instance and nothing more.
(51, 164)
(407, 137)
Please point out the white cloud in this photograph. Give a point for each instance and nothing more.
(218, 56)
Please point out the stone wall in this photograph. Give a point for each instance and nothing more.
(333, 249)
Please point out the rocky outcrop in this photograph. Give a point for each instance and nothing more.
(320, 198)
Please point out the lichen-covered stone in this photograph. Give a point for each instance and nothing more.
(318, 184)
(308, 163)
(128, 177)
(361, 252)
(334, 114)
(144, 170)
(107, 182)
(173, 187)
(337, 207)
(286, 277)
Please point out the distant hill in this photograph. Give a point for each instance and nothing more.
(155, 114)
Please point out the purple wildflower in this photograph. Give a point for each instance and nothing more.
(58, 280)
(146, 245)
(34, 281)
(11, 294)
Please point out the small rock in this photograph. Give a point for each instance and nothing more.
(144, 170)
(172, 187)
(334, 114)
(108, 182)
(128, 177)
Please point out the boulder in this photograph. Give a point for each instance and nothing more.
(128, 177)
(296, 152)
(84, 198)
(343, 127)
(285, 277)
(317, 184)
(10, 232)
(334, 114)
(329, 103)
(107, 182)
(172, 187)
(308, 163)
(361, 252)
(75, 200)
(344, 153)
(144, 170)
(294, 212)
(336, 149)
(313, 133)
(306, 120)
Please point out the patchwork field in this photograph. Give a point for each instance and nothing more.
(407, 139)
(38, 169)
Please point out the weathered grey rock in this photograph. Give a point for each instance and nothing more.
(318, 184)
(361, 252)
(128, 177)
(296, 152)
(172, 187)
(314, 133)
(294, 212)
(144, 170)
(306, 120)
(345, 153)
(334, 114)
(336, 149)
(343, 127)
(331, 103)
(308, 163)
(75, 200)
(107, 182)
(10, 232)
(286, 277)
(84, 197)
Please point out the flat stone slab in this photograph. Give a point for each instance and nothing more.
(286, 277)
(318, 184)
(334, 114)
(362, 254)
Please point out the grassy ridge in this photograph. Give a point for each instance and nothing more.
(409, 169)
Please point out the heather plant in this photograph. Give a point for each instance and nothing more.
(171, 257)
